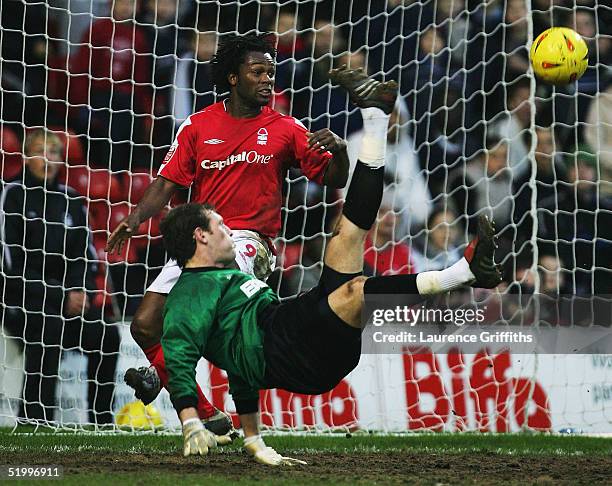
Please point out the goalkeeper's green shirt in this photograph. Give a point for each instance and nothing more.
(212, 313)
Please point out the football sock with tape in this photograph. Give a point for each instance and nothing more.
(364, 195)
(374, 141)
(437, 281)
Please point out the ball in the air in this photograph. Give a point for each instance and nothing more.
(559, 55)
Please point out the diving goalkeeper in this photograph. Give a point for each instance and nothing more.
(305, 345)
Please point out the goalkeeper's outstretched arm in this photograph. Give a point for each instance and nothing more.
(156, 196)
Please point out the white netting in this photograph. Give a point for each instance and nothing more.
(473, 132)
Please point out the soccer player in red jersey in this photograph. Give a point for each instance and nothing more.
(233, 154)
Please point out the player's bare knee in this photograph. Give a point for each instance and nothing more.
(353, 290)
(355, 286)
(347, 301)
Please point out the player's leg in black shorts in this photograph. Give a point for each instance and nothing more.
(309, 349)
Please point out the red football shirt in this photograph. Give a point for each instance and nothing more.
(238, 164)
(113, 56)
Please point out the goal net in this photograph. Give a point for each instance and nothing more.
(93, 92)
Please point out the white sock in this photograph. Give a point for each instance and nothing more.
(374, 143)
(450, 278)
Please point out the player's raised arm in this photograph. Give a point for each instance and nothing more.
(336, 174)
(156, 196)
(321, 155)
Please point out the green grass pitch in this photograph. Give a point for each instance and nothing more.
(333, 459)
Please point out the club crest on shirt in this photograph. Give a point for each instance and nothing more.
(262, 136)
(169, 155)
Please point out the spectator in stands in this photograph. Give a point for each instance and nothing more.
(548, 171)
(454, 14)
(194, 88)
(315, 100)
(600, 53)
(579, 220)
(514, 126)
(390, 32)
(403, 175)
(165, 40)
(516, 37)
(486, 184)
(546, 13)
(385, 253)
(291, 49)
(442, 245)
(437, 104)
(327, 42)
(554, 305)
(111, 78)
(48, 268)
(552, 277)
(496, 55)
(30, 46)
(518, 306)
(524, 277)
(598, 134)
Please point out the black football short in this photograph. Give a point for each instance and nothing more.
(307, 348)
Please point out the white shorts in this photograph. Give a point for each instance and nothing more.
(253, 256)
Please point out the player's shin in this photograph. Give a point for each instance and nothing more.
(422, 284)
(365, 190)
(364, 196)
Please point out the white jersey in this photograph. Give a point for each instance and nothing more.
(253, 256)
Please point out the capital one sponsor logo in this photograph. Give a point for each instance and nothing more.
(251, 157)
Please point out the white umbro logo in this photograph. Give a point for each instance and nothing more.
(214, 141)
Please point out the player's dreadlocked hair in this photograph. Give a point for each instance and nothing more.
(177, 229)
(232, 52)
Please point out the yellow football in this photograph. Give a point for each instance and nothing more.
(137, 415)
(559, 55)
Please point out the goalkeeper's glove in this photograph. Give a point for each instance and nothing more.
(256, 447)
(196, 439)
(226, 439)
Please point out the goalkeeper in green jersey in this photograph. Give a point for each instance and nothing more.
(304, 345)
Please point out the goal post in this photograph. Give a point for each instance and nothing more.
(108, 83)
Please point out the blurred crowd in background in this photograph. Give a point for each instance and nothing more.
(469, 134)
